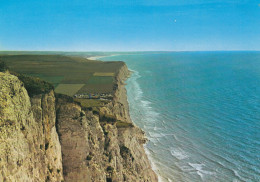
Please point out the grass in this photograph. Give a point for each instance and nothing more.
(100, 80)
(121, 124)
(68, 89)
(103, 74)
(55, 80)
(97, 88)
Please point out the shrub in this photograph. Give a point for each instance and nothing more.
(124, 149)
(106, 117)
(82, 114)
(34, 85)
(46, 146)
(3, 66)
(109, 179)
(89, 157)
(110, 169)
(66, 98)
(96, 112)
(120, 124)
(125, 152)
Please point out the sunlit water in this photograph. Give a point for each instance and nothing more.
(200, 111)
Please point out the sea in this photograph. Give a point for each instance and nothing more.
(200, 112)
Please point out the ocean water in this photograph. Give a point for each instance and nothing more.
(200, 111)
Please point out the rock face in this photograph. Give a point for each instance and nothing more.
(29, 145)
(44, 140)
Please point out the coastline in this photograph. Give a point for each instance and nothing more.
(96, 58)
(123, 75)
(152, 162)
(122, 78)
(87, 146)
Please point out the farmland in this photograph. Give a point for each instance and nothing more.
(69, 75)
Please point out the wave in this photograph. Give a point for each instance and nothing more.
(143, 115)
(199, 128)
(200, 169)
(179, 153)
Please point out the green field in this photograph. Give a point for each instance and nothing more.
(68, 74)
(103, 74)
(68, 89)
(100, 80)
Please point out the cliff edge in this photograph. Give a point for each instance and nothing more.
(48, 138)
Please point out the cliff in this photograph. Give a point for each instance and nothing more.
(44, 138)
(29, 145)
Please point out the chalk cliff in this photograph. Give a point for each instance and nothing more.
(29, 145)
(44, 138)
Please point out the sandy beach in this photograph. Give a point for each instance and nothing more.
(93, 58)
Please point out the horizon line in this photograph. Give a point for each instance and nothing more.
(130, 51)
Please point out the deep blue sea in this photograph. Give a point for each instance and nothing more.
(200, 112)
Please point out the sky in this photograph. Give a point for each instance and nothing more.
(129, 25)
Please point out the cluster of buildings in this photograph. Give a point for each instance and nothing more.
(101, 96)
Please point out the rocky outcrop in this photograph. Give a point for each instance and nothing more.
(44, 138)
(29, 145)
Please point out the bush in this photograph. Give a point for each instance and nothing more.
(106, 117)
(95, 112)
(89, 157)
(125, 152)
(3, 66)
(110, 169)
(34, 85)
(65, 98)
(120, 124)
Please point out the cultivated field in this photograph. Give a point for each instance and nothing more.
(68, 89)
(69, 75)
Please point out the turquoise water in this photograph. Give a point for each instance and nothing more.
(200, 111)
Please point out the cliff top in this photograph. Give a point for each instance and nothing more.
(69, 75)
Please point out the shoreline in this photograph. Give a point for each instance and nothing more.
(96, 58)
(124, 78)
(123, 75)
(122, 97)
(146, 149)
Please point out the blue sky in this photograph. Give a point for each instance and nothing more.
(129, 25)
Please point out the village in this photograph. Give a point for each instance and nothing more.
(101, 96)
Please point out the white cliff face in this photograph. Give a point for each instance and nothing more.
(81, 148)
(29, 145)
(105, 152)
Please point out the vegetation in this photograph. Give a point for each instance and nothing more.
(125, 152)
(95, 76)
(110, 169)
(89, 157)
(68, 89)
(104, 74)
(34, 85)
(100, 80)
(69, 75)
(121, 124)
(3, 66)
(63, 97)
(107, 118)
(109, 179)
